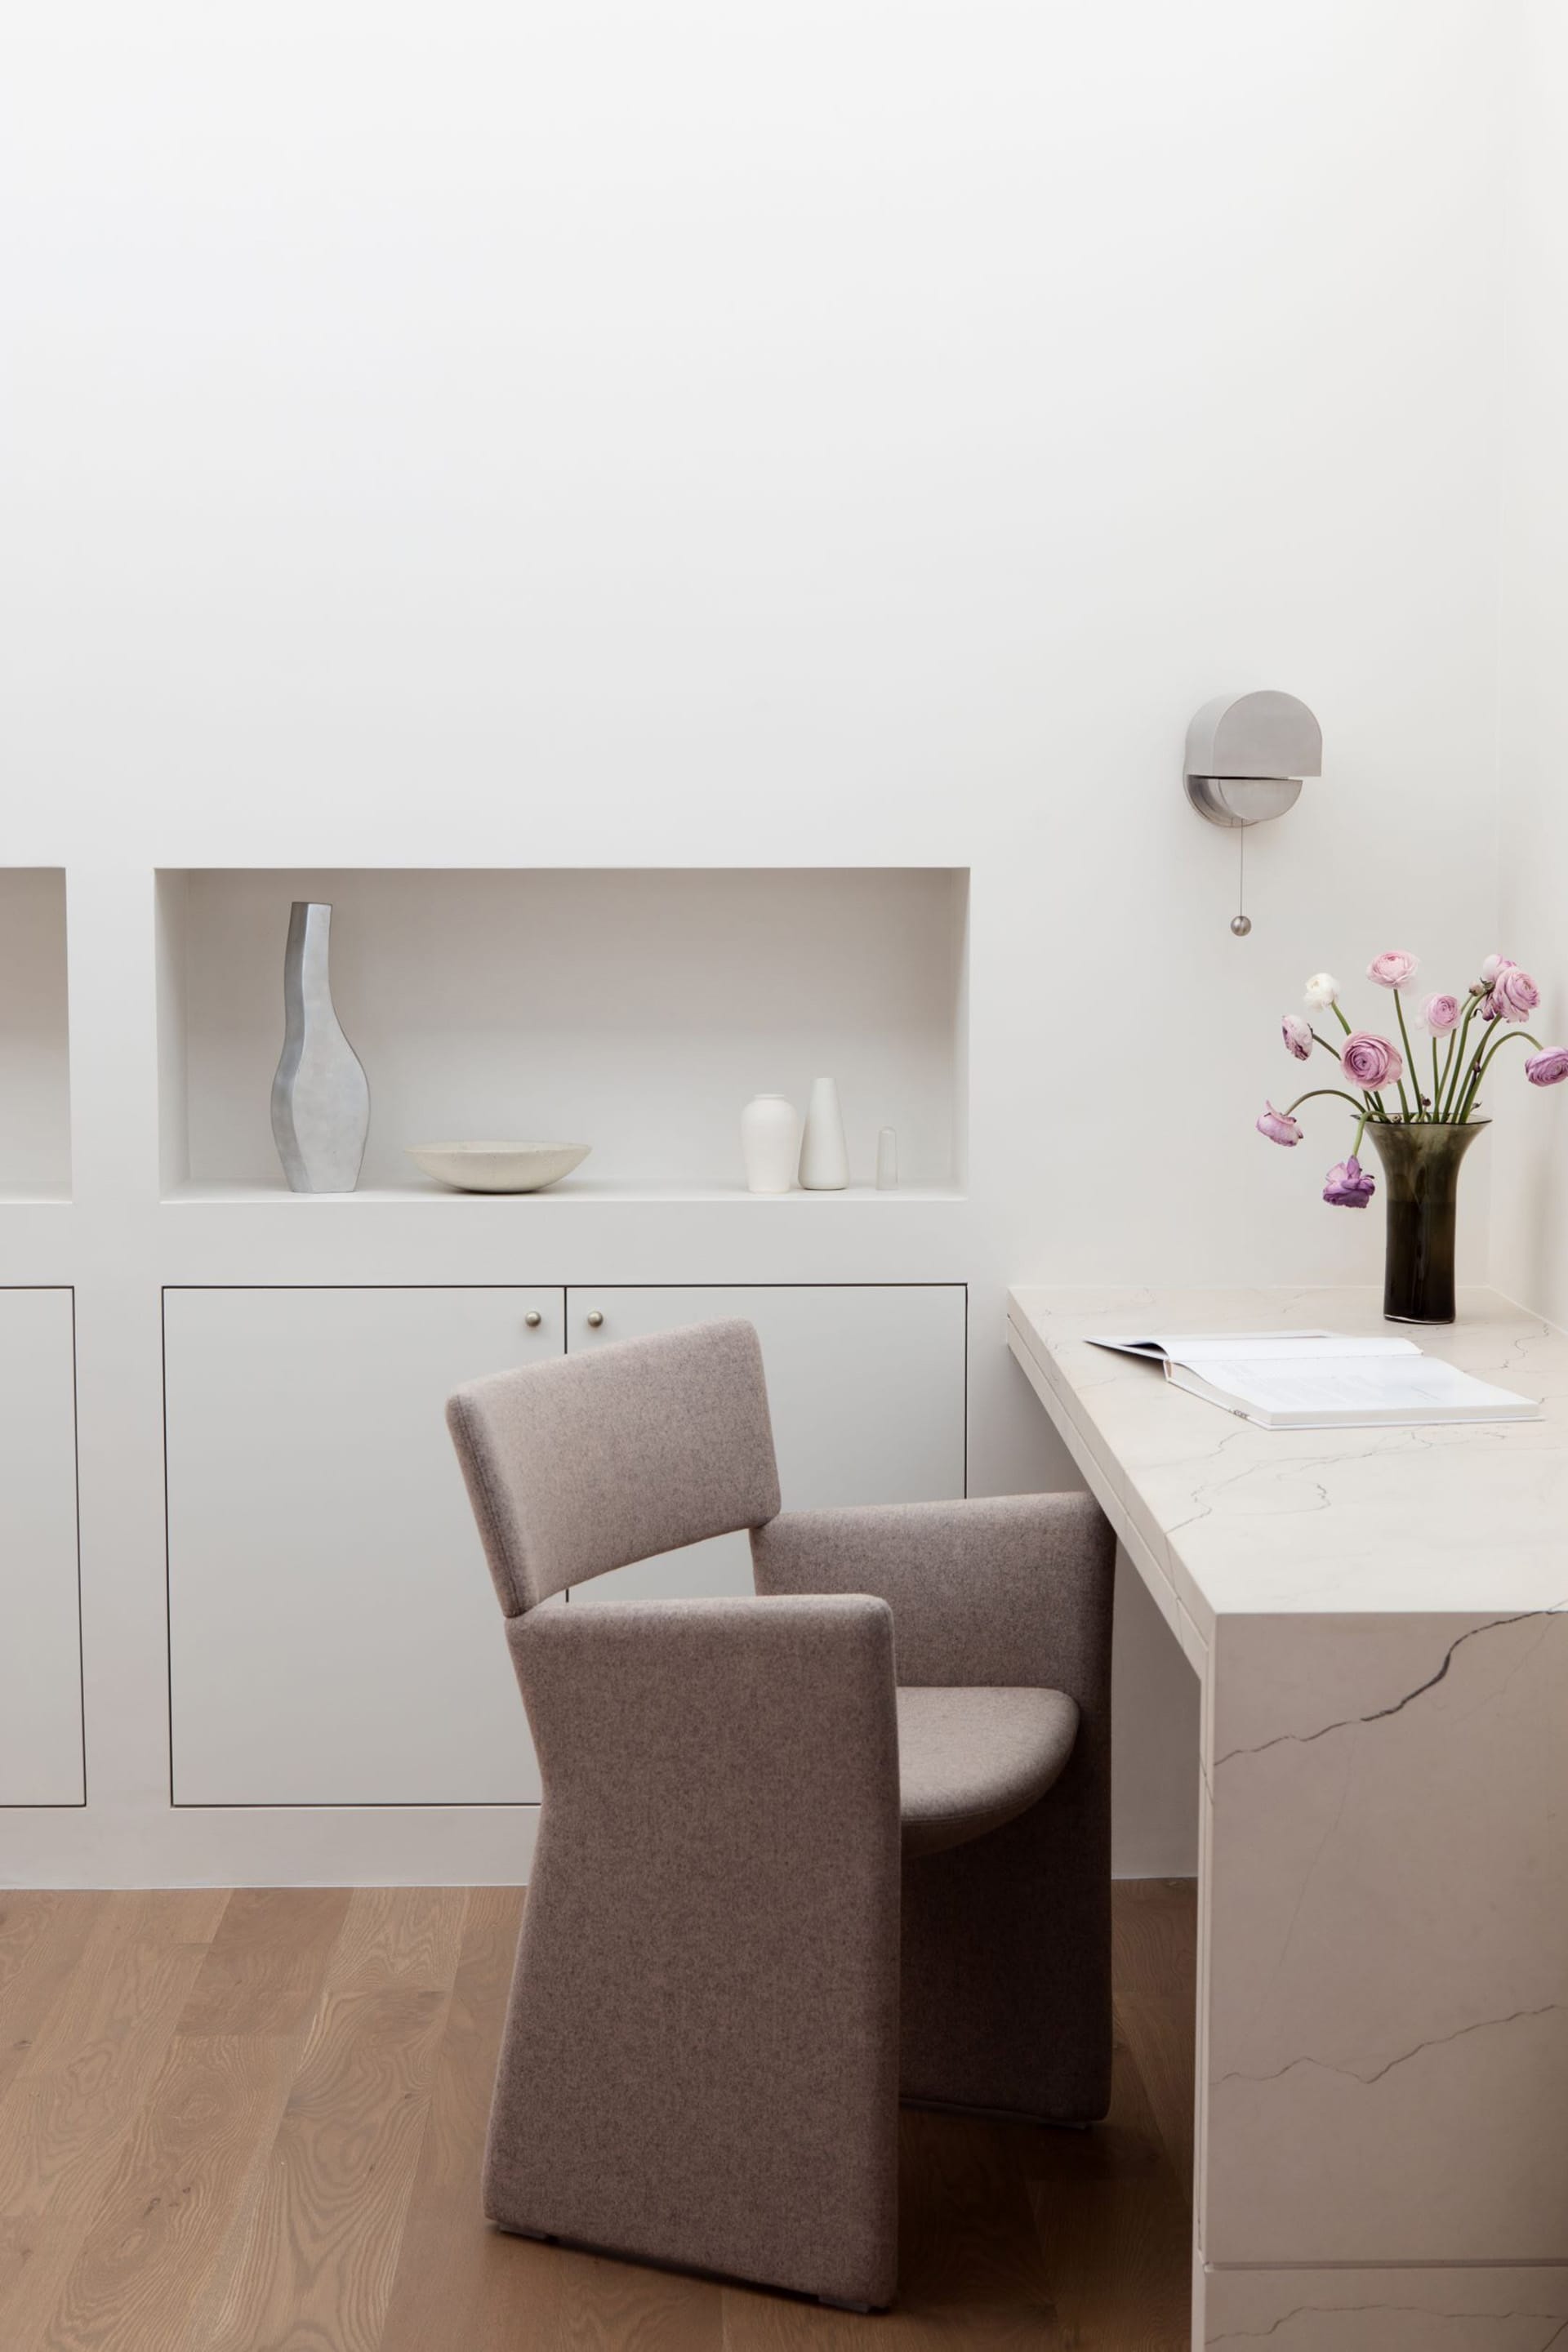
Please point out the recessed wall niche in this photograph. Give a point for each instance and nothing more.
(633, 1009)
(35, 1036)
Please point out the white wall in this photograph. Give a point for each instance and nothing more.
(1530, 1223)
(852, 431)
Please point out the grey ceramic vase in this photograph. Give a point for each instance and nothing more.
(321, 1097)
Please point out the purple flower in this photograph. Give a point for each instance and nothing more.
(1348, 1187)
(1393, 969)
(1370, 1061)
(1514, 994)
(1548, 1069)
(1438, 1014)
(1297, 1037)
(1279, 1126)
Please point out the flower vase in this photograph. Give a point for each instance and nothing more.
(320, 1097)
(770, 1143)
(1421, 1178)
(823, 1152)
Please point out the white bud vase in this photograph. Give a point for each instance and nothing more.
(770, 1134)
(823, 1152)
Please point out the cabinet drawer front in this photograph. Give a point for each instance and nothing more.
(865, 1386)
(334, 1637)
(40, 1650)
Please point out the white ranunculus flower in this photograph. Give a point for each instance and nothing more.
(1321, 990)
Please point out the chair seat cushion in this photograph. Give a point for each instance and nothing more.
(971, 1760)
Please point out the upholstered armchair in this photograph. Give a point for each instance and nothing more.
(798, 1854)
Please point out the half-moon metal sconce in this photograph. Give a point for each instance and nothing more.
(1246, 755)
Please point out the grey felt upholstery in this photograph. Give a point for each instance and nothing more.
(701, 2057)
(1005, 1983)
(726, 1975)
(590, 1461)
(971, 1760)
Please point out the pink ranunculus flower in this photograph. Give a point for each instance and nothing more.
(1393, 969)
(1279, 1126)
(1370, 1061)
(1297, 1037)
(1493, 966)
(1348, 1185)
(1438, 1014)
(1514, 994)
(1548, 1069)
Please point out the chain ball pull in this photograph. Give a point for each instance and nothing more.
(1240, 922)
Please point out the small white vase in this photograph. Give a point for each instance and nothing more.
(823, 1152)
(770, 1135)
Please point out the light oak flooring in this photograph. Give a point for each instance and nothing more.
(251, 2122)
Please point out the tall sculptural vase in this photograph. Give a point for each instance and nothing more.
(321, 1097)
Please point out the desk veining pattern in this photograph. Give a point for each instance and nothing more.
(1425, 1519)
(1383, 2004)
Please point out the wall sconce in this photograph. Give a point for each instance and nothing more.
(1246, 755)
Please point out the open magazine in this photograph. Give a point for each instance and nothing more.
(1324, 1379)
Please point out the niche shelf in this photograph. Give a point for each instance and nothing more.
(35, 1036)
(634, 1008)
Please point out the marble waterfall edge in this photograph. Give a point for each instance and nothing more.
(321, 1097)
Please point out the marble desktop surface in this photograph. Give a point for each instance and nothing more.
(1377, 1619)
(1471, 1518)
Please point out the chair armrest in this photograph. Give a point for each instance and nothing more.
(703, 2046)
(1003, 1589)
(697, 1720)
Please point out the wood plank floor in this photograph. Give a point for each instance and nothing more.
(251, 2122)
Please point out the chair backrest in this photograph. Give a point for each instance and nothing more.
(589, 1462)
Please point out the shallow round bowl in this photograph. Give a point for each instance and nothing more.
(498, 1167)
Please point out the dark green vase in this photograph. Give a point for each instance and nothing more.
(1421, 1186)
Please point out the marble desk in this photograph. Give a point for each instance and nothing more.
(1379, 1621)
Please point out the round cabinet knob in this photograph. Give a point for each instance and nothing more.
(533, 1319)
(594, 1318)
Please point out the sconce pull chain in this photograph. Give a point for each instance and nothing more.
(1241, 921)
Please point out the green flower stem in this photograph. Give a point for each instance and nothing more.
(1487, 1056)
(1436, 1081)
(1447, 1066)
(1409, 1055)
(1313, 1092)
(1359, 1131)
(1340, 1017)
(1460, 1042)
(1468, 1079)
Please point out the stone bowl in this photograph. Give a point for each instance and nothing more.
(498, 1167)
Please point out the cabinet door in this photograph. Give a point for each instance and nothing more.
(334, 1636)
(41, 1647)
(865, 1386)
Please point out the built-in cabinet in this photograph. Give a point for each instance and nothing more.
(40, 1651)
(333, 1634)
